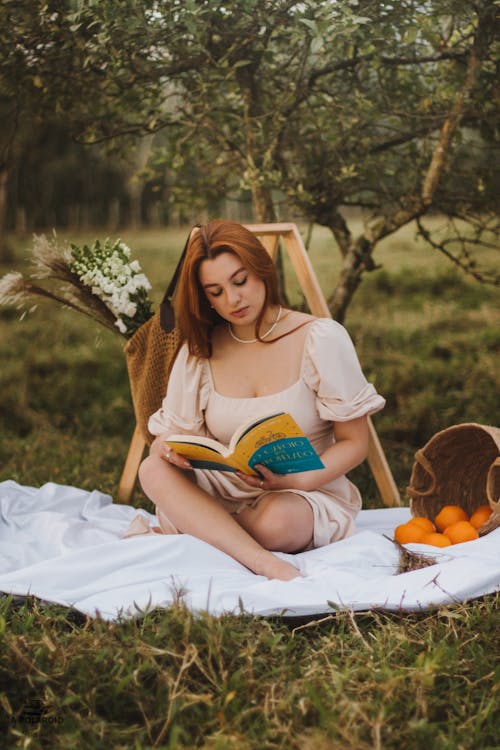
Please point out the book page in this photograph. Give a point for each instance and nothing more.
(202, 456)
(279, 443)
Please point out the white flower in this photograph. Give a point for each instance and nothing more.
(143, 281)
(121, 325)
(115, 280)
(130, 310)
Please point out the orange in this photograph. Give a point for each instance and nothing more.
(436, 540)
(408, 532)
(450, 514)
(461, 531)
(424, 523)
(480, 516)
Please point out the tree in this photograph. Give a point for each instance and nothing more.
(402, 122)
(26, 36)
(328, 104)
(362, 104)
(54, 85)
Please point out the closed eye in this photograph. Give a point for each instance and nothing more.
(236, 282)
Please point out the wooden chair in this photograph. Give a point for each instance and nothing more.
(270, 235)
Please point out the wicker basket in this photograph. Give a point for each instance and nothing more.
(458, 466)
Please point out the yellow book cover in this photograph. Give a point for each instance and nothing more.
(275, 441)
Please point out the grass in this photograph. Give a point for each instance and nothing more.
(173, 680)
(429, 338)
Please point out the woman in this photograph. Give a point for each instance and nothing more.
(244, 356)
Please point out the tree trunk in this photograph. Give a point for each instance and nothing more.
(136, 181)
(263, 205)
(449, 128)
(264, 212)
(6, 254)
(357, 260)
(359, 256)
(340, 230)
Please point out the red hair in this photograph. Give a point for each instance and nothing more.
(193, 314)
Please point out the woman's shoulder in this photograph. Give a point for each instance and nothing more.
(317, 329)
(313, 331)
(328, 327)
(326, 342)
(190, 373)
(293, 318)
(186, 362)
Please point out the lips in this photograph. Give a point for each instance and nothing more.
(240, 313)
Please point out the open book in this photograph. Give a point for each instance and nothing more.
(275, 441)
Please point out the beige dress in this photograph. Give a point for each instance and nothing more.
(331, 388)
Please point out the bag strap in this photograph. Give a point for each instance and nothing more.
(167, 314)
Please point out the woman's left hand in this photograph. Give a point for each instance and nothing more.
(271, 481)
(349, 450)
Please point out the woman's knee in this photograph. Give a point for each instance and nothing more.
(152, 469)
(157, 475)
(284, 526)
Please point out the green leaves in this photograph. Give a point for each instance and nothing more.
(325, 103)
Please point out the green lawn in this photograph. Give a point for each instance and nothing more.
(429, 339)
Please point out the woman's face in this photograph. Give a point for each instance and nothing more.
(236, 293)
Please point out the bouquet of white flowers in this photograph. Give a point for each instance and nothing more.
(98, 280)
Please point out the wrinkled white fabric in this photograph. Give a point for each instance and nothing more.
(65, 545)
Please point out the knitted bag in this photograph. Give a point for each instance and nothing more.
(150, 355)
(458, 466)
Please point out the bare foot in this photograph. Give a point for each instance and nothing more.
(138, 527)
(166, 525)
(267, 564)
(141, 526)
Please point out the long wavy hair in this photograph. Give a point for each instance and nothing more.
(194, 316)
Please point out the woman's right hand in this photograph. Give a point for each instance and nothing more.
(160, 448)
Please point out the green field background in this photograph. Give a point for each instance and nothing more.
(427, 337)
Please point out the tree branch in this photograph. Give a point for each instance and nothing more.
(449, 128)
(464, 261)
(359, 257)
(389, 61)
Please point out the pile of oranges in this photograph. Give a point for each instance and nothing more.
(452, 525)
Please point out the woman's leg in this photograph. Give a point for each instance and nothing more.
(193, 511)
(280, 521)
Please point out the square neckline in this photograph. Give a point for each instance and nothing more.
(267, 395)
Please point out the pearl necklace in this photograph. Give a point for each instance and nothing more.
(264, 335)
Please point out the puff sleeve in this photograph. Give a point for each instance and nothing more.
(182, 409)
(332, 370)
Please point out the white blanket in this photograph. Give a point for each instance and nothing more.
(64, 545)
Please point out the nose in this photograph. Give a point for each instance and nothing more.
(233, 296)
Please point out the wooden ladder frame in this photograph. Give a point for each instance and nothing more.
(270, 235)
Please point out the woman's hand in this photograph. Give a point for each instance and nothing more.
(271, 481)
(349, 450)
(161, 449)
